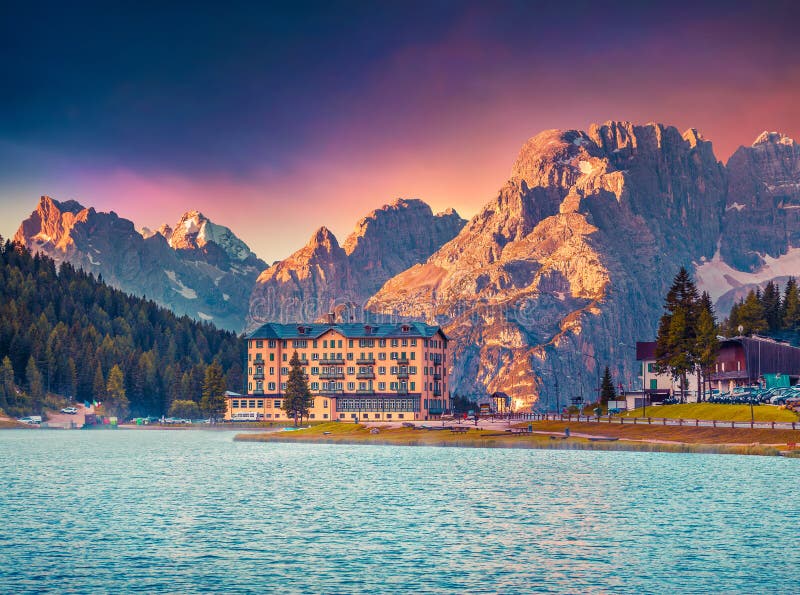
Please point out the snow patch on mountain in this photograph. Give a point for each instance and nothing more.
(187, 292)
(717, 277)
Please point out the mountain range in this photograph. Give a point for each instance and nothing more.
(554, 278)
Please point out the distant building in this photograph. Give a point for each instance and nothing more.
(658, 386)
(356, 371)
(745, 361)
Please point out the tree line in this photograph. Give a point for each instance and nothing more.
(65, 332)
(769, 312)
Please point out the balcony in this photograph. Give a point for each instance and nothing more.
(436, 359)
(437, 376)
(332, 362)
(258, 392)
(402, 374)
(365, 375)
(437, 392)
(368, 361)
(402, 391)
(365, 391)
(331, 375)
(259, 375)
(403, 361)
(331, 391)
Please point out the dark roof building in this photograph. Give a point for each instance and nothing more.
(351, 330)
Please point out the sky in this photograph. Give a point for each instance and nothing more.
(277, 118)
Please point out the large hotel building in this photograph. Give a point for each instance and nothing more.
(356, 371)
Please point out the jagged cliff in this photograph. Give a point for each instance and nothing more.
(324, 276)
(566, 268)
(201, 269)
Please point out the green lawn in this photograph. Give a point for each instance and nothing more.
(718, 411)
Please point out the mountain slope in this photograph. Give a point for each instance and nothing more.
(201, 270)
(324, 276)
(542, 285)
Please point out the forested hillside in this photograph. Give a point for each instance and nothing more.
(62, 331)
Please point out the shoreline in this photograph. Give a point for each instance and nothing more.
(352, 434)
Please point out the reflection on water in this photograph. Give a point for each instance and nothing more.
(185, 512)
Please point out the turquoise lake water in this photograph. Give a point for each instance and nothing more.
(193, 511)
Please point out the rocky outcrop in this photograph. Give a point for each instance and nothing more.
(324, 276)
(206, 274)
(566, 268)
(762, 212)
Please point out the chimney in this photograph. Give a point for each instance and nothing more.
(331, 318)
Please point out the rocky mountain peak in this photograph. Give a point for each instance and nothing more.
(323, 240)
(194, 231)
(774, 138)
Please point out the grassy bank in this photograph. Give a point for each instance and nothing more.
(334, 433)
(12, 424)
(717, 411)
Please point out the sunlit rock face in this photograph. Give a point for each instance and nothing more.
(324, 276)
(202, 270)
(570, 260)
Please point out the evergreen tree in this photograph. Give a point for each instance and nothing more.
(213, 402)
(676, 343)
(771, 301)
(116, 402)
(297, 399)
(99, 384)
(791, 306)
(8, 394)
(35, 384)
(707, 341)
(607, 390)
(750, 315)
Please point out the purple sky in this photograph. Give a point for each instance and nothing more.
(277, 120)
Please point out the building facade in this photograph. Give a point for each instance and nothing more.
(747, 361)
(658, 386)
(374, 372)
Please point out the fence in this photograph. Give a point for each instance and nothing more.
(661, 421)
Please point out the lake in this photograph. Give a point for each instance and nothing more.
(194, 511)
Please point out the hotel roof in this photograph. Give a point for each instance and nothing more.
(351, 330)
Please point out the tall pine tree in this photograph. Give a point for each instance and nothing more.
(707, 341)
(297, 399)
(116, 402)
(213, 402)
(607, 390)
(676, 344)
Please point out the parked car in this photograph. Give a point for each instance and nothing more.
(70, 410)
(33, 420)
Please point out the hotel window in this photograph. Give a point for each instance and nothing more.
(381, 369)
(324, 343)
(249, 386)
(285, 357)
(314, 344)
(413, 355)
(260, 385)
(272, 357)
(314, 371)
(393, 370)
(412, 385)
(314, 356)
(351, 386)
(400, 415)
(277, 404)
(651, 367)
(312, 416)
(284, 370)
(261, 403)
(271, 386)
(273, 343)
(272, 371)
(259, 344)
(301, 343)
(283, 386)
(404, 343)
(394, 342)
(413, 342)
(381, 356)
(381, 342)
(392, 386)
(393, 355)
(350, 356)
(324, 416)
(285, 343)
(315, 386)
(341, 416)
(235, 404)
(351, 370)
(252, 404)
(412, 369)
(350, 343)
(340, 343)
(339, 385)
(249, 371)
(325, 403)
